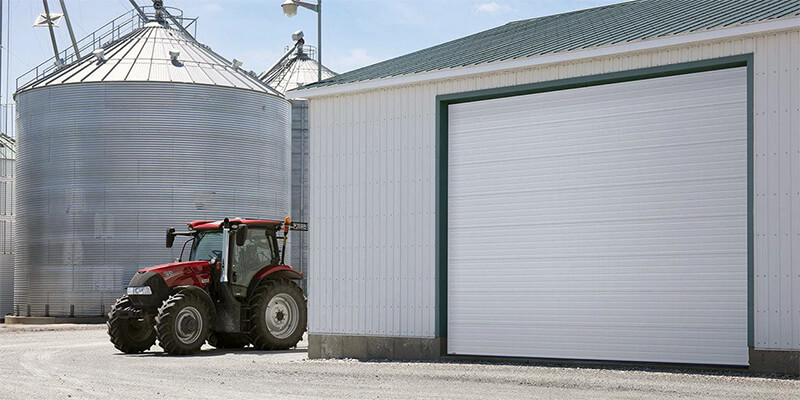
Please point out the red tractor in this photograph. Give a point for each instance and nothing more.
(229, 295)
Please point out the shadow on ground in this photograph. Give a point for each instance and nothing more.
(216, 353)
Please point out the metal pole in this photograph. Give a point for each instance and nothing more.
(319, 40)
(69, 28)
(52, 33)
(139, 11)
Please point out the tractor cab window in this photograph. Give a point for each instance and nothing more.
(257, 252)
(207, 245)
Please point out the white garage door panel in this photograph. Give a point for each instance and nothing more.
(607, 222)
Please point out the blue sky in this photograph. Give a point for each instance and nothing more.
(355, 32)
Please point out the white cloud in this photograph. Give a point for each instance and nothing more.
(492, 8)
(353, 59)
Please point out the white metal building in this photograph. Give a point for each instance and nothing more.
(619, 184)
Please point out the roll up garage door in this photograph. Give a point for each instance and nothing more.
(602, 223)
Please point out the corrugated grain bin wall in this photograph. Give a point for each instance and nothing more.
(7, 155)
(300, 190)
(106, 165)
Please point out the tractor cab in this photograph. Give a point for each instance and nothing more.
(252, 245)
(233, 289)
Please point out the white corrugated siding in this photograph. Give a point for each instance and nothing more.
(613, 218)
(372, 211)
(372, 232)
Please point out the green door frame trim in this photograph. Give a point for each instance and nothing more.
(442, 123)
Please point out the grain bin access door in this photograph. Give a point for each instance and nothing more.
(613, 220)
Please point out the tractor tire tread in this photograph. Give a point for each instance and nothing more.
(164, 324)
(117, 330)
(259, 335)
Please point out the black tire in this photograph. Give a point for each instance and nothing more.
(223, 340)
(129, 335)
(182, 324)
(282, 291)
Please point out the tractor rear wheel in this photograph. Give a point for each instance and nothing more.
(129, 335)
(277, 315)
(223, 340)
(182, 324)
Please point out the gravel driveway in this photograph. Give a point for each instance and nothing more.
(59, 362)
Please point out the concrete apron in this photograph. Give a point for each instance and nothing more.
(784, 362)
(15, 320)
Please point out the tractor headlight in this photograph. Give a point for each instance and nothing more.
(139, 290)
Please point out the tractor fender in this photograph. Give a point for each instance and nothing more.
(273, 272)
(277, 271)
(199, 293)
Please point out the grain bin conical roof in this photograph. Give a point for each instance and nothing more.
(297, 70)
(154, 53)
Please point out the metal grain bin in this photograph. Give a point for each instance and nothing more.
(298, 67)
(121, 145)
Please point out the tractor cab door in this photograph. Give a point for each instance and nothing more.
(257, 252)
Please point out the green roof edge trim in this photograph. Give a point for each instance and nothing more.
(576, 30)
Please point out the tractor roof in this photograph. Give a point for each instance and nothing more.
(207, 224)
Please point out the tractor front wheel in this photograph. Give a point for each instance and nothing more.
(277, 315)
(182, 324)
(129, 335)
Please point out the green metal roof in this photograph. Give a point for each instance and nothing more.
(594, 27)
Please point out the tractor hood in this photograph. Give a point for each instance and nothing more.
(194, 273)
(175, 266)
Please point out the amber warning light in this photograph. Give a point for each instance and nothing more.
(286, 222)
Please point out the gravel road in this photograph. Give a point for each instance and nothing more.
(69, 361)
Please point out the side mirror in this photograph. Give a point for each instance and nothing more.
(241, 234)
(170, 237)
